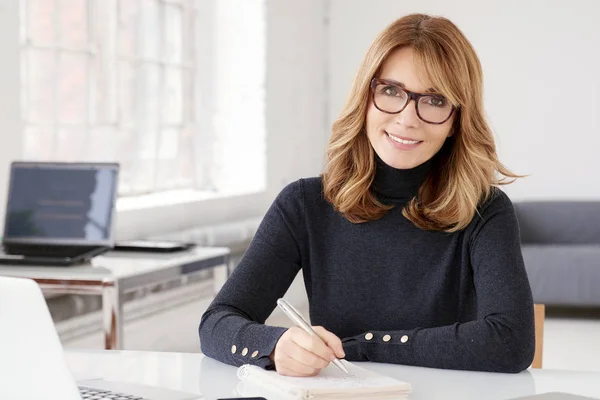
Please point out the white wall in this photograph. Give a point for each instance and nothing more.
(296, 91)
(541, 62)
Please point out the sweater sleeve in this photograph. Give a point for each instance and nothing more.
(232, 329)
(502, 337)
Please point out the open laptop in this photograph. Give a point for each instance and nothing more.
(59, 213)
(32, 363)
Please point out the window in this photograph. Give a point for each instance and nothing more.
(122, 80)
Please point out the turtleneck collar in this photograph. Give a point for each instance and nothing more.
(392, 184)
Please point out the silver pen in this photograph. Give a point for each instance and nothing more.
(297, 318)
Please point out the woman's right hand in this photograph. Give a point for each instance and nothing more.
(297, 353)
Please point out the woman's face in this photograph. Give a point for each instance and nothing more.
(403, 140)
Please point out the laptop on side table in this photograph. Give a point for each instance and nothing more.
(59, 214)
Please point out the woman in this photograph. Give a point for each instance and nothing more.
(410, 253)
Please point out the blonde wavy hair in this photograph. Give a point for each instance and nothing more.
(464, 171)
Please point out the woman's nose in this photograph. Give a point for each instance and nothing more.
(408, 117)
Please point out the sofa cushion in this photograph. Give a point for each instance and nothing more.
(564, 274)
(559, 221)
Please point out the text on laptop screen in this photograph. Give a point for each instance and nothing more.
(61, 202)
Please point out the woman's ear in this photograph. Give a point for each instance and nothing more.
(452, 130)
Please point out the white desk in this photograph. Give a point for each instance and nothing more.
(115, 273)
(197, 374)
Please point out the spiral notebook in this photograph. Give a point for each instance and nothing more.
(331, 383)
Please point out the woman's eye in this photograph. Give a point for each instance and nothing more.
(391, 91)
(437, 101)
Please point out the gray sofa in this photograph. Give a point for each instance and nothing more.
(561, 249)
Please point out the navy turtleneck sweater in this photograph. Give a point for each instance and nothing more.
(391, 291)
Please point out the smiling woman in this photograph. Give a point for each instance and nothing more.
(410, 253)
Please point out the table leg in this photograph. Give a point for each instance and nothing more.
(113, 317)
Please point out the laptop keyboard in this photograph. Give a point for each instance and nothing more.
(48, 251)
(58, 251)
(97, 394)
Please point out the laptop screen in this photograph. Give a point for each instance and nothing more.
(61, 202)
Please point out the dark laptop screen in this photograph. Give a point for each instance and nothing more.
(72, 202)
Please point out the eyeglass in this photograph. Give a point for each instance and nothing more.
(391, 98)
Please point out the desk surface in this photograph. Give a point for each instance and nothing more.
(125, 267)
(197, 374)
